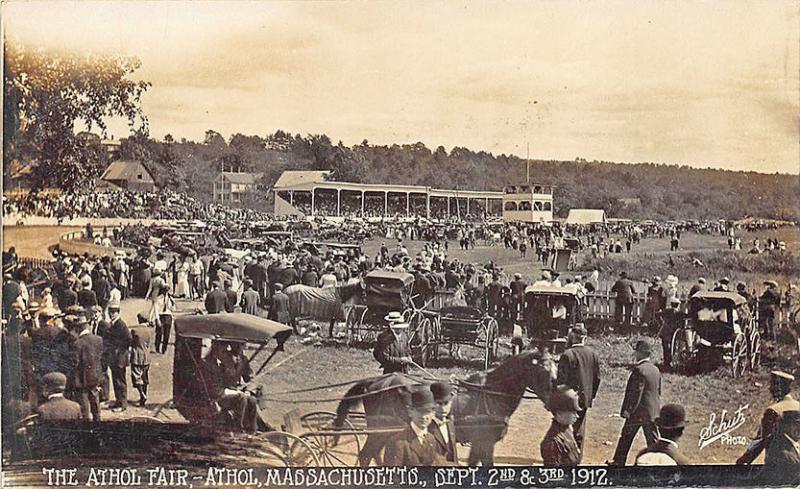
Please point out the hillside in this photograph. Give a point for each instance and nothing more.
(641, 190)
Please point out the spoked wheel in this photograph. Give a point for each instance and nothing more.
(431, 347)
(354, 323)
(280, 449)
(332, 450)
(681, 352)
(754, 350)
(490, 354)
(422, 339)
(739, 358)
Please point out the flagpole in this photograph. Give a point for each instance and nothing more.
(528, 165)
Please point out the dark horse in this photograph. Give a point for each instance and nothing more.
(483, 404)
(321, 304)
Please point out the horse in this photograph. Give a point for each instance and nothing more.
(321, 304)
(482, 406)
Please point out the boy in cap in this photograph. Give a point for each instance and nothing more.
(415, 445)
(391, 347)
(559, 447)
(664, 451)
(780, 388)
(641, 404)
(442, 427)
(56, 407)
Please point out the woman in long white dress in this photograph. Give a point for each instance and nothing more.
(182, 287)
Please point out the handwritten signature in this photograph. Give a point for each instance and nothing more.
(721, 428)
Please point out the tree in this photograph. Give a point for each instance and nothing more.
(48, 92)
(213, 138)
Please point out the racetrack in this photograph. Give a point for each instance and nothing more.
(34, 241)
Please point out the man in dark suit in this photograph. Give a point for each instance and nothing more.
(57, 407)
(85, 375)
(415, 445)
(442, 427)
(279, 311)
(579, 369)
(67, 297)
(230, 297)
(215, 299)
(641, 404)
(665, 451)
(102, 289)
(391, 347)
(119, 337)
(86, 296)
(623, 302)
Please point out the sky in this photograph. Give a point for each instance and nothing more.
(705, 84)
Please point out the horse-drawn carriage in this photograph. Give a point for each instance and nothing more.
(457, 326)
(719, 325)
(549, 312)
(195, 425)
(383, 292)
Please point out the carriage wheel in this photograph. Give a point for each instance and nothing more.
(332, 451)
(754, 350)
(681, 352)
(354, 324)
(437, 331)
(739, 360)
(281, 449)
(424, 338)
(492, 331)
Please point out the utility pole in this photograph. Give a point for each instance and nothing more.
(528, 165)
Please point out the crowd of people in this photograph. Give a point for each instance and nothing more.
(126, 204)
(71, 350)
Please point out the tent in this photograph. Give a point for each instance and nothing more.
(586, 216)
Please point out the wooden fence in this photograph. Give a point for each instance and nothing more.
(600, 306)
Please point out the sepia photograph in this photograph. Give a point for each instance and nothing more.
(446, 244)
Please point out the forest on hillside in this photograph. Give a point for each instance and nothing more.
(642, 190)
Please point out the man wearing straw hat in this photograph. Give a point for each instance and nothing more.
(391, 348)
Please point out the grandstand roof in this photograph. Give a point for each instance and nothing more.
(129, 170)
(294, 178)
(308, 180)
(586, 216)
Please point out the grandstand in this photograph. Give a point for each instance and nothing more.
(310, 193)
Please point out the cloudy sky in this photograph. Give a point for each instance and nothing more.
(703, 83)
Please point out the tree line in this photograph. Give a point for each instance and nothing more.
(48, 93)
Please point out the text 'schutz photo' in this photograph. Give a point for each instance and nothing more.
(414, 244)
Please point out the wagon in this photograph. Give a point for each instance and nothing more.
(458, 326)
(549, 312)
(383, 292)
(719, 324)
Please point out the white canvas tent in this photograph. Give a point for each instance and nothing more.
(586, 216)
